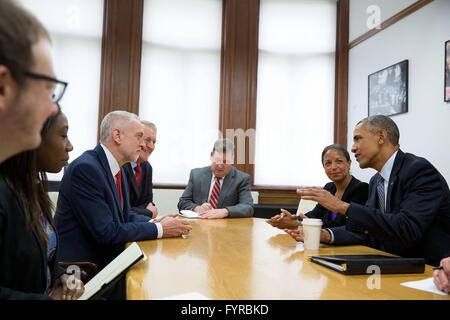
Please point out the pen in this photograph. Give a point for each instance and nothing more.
(294, 216)
(438, 268)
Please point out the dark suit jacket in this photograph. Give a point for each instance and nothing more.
(235, 194)
(23, 258)
(356, 191)
(90, 221)
(417, 218)
(142, 196)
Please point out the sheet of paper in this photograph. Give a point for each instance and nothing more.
(424, 285)
(187, 296)
(189, 214)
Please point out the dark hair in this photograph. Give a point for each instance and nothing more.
(19, 31)
(29, 185)
(379, 122)
(50, 122)
(21, 175)
(337, 147)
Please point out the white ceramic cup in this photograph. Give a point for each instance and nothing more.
(311, 231)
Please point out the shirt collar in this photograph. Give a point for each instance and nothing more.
(387, 168)
(112, 162)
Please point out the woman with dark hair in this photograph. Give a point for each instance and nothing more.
(28, 241)
(336, 163)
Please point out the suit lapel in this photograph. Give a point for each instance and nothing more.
(205, 185)
(393, 178)
(227, 182)
(145, 179)
(347, 190)
(43, 250)
(111, 180)
(133, 179)
(372, 201)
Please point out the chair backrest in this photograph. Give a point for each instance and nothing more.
(305, 206)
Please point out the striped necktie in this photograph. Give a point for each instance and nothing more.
(214, 198)
(380, 191)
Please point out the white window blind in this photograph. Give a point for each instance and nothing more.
(180, 83)
(75, 27)
(295, 97)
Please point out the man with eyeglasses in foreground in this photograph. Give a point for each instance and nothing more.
(28, 90)
(140, 175)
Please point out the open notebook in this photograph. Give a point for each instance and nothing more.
(129, 257)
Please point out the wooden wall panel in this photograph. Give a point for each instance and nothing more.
(341, 73)
(239, 62)
(121, 56)
(280, 196)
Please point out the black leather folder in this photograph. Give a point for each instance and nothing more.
(369, 264)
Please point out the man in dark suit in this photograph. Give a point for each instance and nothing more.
(139, 175)
(219, 190)
(93, 218)
(408, 209)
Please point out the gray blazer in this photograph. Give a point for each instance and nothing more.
(234, 195)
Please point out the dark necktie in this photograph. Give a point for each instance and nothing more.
(138, 175)
(380, 191)
(119, 187)
(214, 198)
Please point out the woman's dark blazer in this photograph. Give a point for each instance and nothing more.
(356, 191)
(23, 258)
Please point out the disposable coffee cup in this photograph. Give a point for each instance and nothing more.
(311, 232)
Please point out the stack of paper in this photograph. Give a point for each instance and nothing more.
(189, 214)
(424, 285)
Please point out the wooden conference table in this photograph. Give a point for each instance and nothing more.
(249, 259)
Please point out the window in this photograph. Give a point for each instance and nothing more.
(180, 83)
(295, 96)
(76, 30)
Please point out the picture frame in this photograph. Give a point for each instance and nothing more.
(388, 90)
(447, 72)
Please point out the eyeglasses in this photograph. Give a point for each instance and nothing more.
(150, 142)
(59, 86)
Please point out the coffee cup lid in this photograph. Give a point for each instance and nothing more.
(312, 222)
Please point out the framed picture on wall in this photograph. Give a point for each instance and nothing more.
(447, 72)
(388, 90)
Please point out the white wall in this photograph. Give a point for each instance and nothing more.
(420, 38)
(359, 16)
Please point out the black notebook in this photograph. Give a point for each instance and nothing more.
(360, 263)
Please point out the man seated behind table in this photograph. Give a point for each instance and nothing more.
(336, 163)
(408, 208)
(219, 190)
